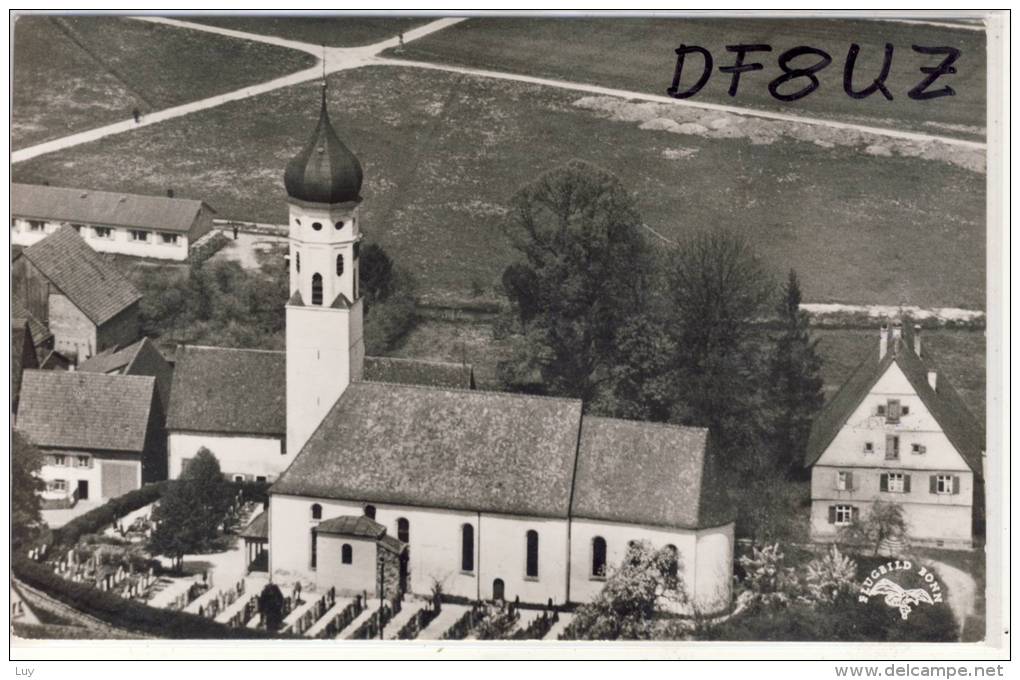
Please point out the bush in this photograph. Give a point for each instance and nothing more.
(389, 321)
(123, 613)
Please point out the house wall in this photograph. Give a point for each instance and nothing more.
(348, 579)
(121, 330)
(202, 225)
(249, 455)
(118, 241)
(706, 558)
(927, 524)
(73, 332)
(93, 474)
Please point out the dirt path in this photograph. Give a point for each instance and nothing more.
(962, 590)
(345, 58)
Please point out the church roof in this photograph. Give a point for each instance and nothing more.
(647, 473)
(457, 449)
(230, 391)
(505, 453)
(951, 413)
(325, 170)
(92, 284)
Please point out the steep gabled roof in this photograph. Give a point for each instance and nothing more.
(93, 285)
(230, 391)
(76, 410)
(647, 473)
(105, 208)
(957, 422)
(456, 449)
(138, 358)
(418, 372)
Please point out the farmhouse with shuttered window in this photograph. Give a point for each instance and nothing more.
(898, 432)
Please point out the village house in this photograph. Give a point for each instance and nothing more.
(138, 358)
(84, 301)
(898, 432)
(101, 435)
(160, 227)
(490, 495)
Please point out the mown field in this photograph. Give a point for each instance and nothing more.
(333, 31)
(639, 54)
(443, 153)
(76, 73)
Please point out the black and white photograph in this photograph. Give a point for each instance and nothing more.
(439, 334)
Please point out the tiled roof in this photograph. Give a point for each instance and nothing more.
(95, 286)
(85, 410)
(216, 389)
(258, 528)
(647, 473)
(457, 449)
(417, 372)
(349, 525)
(138, 358)
(115, 209)
(944, 403)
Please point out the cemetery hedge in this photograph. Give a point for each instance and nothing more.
(94, 521)
(123, 613)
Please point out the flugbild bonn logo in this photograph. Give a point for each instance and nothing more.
(903, 586)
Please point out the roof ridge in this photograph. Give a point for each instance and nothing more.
(433, 388)
(656, 423)
(431, 362)
(186, 346)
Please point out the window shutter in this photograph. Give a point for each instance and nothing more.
(832, 514)
(890, 446)
(835, 480)
(906, 483)
(849, 481)
(893, 409)
(883, 482)
(933, 482)
(855, 512)
(956, 484)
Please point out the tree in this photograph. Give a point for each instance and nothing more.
(884, 521)
(26, 463)
(794, 381)
(190, 513)
(271, 601)
(377, 275)
(583, 271)
(646, 584)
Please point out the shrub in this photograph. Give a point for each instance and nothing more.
(389, 322)
(830, 576)
(94, 521)
(766, 576)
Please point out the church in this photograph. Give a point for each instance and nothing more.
(486, 495)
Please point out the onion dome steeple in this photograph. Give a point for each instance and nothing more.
(325, 171)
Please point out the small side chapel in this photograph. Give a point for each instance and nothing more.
(492, 495)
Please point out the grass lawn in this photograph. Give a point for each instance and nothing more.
(638, 54)
(443, 153)
(76, 73)
(334, 31)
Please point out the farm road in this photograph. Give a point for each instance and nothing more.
(344, 58)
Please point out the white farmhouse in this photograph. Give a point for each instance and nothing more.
(161, 227)
(898, 432)
(493, 495)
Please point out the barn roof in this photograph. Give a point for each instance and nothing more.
(949, 410)
(230, 391)
(106, 208)
(85, 410)
(92, 284)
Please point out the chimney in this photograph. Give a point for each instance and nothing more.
(883, 340)
(933, 377)
(917, 339)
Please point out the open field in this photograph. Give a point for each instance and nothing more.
(444, 152)
(332, 31)
(76, 73)
(638, 54)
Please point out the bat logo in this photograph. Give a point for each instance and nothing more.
(899, 597)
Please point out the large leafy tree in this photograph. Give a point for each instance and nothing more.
(583, 271)
(794, 380)
(26, 462)
(191, 512)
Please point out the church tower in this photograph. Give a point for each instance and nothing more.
(325, 349)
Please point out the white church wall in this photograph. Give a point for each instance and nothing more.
(349, 579)
(252, 456)
(503, 546)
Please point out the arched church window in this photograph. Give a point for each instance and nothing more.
(531, 566)
(317, 226)
(316, 289)
(339, 265)
(339, 225)
(316, 511)
(598, 556)
(347, 553)
(674, 560)
(315, 548)
(370, 511)
(403, 530)
(467, 548)
(297, 261)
